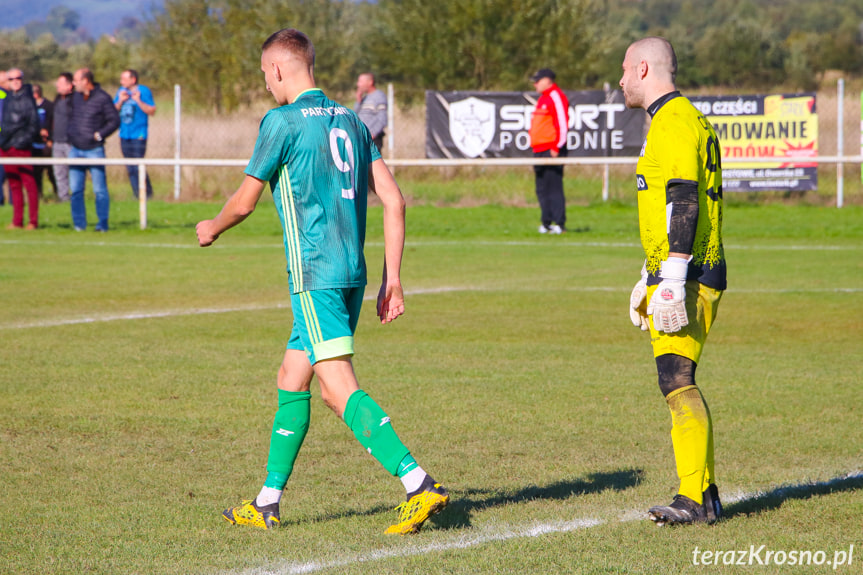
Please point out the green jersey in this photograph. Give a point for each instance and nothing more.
(316, 155)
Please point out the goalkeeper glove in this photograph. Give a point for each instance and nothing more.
(638, 302)
(668, 303)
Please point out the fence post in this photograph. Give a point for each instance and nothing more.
(605, 183)
(177, 139)
(142, 194)
(840, 123)
(390, 120)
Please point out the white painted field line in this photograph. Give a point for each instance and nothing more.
(429, 243)
(473, 539)
(408, 243)
(412, 549)
(104, 244)
(782, 490)
(98, 318)
(136, 315)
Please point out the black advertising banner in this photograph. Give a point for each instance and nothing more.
(496, 124)
(775, 126)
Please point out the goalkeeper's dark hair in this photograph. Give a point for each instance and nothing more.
(662, 53)
(293, 42)
(673, 56)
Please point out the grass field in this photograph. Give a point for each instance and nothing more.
(137, 387)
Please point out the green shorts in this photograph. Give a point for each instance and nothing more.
(325, 321)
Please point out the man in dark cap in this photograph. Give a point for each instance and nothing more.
(548, 139)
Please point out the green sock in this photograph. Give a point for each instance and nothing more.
(289, 430)
(372, 427)
(408, 464)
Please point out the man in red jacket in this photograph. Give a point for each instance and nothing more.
(548, 140)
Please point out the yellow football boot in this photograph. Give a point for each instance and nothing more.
(416, 510)
(248, 513)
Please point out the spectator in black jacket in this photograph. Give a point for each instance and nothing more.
(19, 128)
(42, 145)
(4, 87)
(93, 119)
(60, 132)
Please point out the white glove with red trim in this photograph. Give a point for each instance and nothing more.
(638, 302)
(668, 303)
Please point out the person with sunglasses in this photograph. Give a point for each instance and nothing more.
(19, 129)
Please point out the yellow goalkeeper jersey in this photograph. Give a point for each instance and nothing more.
(681, 147)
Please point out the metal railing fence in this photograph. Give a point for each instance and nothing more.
(142, 164)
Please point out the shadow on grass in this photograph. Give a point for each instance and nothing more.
(116, 224)
(774, 498)
(464, 503)
(376, 510)
(579, 230)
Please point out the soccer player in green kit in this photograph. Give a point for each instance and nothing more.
(320, 161)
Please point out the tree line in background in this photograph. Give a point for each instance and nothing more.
(212, 47)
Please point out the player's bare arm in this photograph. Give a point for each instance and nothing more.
(238, 207)
(145, 107)
(391, 301)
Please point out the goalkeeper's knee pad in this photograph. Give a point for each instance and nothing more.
(675, 371)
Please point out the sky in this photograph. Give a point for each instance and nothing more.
(97, 16)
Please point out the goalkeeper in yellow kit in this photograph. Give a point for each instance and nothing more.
(679, 179)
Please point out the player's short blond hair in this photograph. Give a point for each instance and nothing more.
(292, 42)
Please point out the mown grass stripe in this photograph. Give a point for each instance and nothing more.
(136, 315)
(431, 243)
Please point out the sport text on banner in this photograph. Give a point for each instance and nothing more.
(496, 124)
